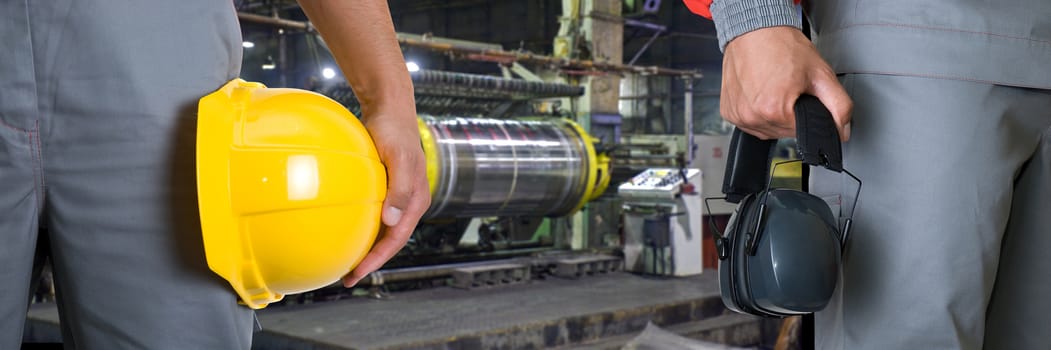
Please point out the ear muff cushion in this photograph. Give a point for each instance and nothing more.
(728, 284)
(739, 255)
(744, 289)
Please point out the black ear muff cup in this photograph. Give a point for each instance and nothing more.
(795, 264)
(782, 249)
(796, 261)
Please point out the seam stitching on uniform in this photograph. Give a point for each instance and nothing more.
(40, 159)
(12, 127)
(946, 77)
(36, 174)
(947, 30)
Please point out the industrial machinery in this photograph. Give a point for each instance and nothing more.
(502, 172)
(662, 222)
(489, 167)
(480, 166)
(518, 164)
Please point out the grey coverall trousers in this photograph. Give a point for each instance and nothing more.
(97, 122)
(951, 243)
(951, 134)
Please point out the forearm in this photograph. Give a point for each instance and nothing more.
(361, 36)
(736, 17)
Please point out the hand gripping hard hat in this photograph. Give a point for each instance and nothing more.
(290, 189)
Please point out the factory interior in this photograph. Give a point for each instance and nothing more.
(571, 145)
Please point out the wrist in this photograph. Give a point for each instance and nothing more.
(388, 102)
(734, 18)
(387, 113)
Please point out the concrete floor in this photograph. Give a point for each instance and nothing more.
(603, 311)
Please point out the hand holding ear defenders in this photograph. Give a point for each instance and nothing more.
(781, 252)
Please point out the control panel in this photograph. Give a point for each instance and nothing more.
(657, 183)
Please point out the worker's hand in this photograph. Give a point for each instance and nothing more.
(398, 142)
(765, 71)
(367, 51)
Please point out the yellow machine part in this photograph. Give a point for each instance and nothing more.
(598, 168)
(290, 189)
(603, 162)
(430, 151)
(790, 170)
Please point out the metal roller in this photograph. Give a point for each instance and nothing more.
(491, 167)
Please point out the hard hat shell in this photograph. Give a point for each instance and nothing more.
(290, 189)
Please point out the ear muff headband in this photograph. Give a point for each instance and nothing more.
(749, 159)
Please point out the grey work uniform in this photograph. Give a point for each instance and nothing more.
(97, 122)
(951, 134)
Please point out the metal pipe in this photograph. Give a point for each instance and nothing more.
(381, 277)
(657, 29)
(273, 21)
(528, 57)
(474, 52)
(644, 24)
(642, 97)
(644, 47)
(547, 257)
(688, 119)
(282, 53)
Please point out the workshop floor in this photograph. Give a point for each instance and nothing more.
(602, 311)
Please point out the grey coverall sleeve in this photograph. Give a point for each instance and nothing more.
(734, 18)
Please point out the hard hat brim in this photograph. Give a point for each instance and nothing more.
(217, 113)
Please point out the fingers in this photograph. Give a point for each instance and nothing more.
(766, 117)
(773, 115)
(402, 173)
(408, 195)
(827, 88)
(393, 237)
(764, 73)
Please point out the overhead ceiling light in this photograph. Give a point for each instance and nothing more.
(328, 73)
(248, 44)
(412, 66)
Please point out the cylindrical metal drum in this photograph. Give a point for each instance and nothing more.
(492, 167)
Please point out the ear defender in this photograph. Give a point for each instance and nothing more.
(781, 252)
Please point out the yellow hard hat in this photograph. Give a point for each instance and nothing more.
(290, 188)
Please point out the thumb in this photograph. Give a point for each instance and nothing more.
(831, 93)
(400, 186)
